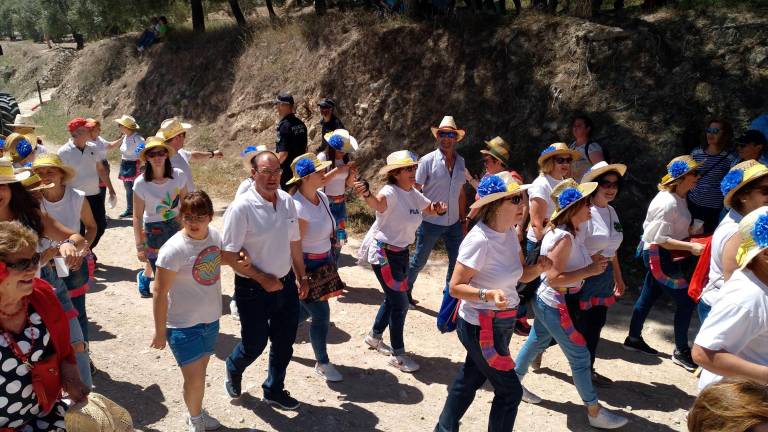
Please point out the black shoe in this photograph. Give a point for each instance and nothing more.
(600, 380)
(638, 344)
(233, 384)
(93, 368)
(282, 399)
(522, 328)
(684, 359)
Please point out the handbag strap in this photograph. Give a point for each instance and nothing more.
(333, 221)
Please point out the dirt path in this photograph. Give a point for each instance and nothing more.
(654, 392)
(28, 106)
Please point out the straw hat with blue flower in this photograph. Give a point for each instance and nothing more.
(677, 168)
(306, 164)
(557, 149)
(251, 152)
(19, 146)
(739, 176)
(341, 140)
(567, 193)
(753, 230)
(497, 186)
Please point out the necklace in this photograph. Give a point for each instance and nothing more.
(24, 304)
(11, 341)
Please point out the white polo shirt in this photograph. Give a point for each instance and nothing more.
(84, 162)
(440, 185)
(181, 161)
(264, 230)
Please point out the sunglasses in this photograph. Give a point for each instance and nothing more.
(515, 199)
(447, 134)
(194, 218)
(712, 131)
(25, 264)
(154, 154)
(605, 184)
(268, 172)
(563, 160)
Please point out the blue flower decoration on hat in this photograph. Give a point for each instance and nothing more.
(731, 180)
(549, 149)
(2, 142)
(23, 148)
(678, 168)
(249, 149)
(336, 142)
(490, 185)
(568, 197)
(140, 147)
(305, 167)
(27, 165)
(760, 231)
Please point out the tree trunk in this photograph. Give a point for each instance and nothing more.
(271, 10)
(237, 12)
(198, 15)
(583, 8)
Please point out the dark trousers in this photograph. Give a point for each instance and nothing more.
(590, 324)
(684, 306)
(99, 214)
(265, 316)
(507, 391)
(710, 216)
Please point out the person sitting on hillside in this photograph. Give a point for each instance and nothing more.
(149, 36)
(162, 28)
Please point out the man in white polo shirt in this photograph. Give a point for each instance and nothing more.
(263, 221)
(85, 158)
(174, 132)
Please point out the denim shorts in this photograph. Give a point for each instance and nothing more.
(190, 344)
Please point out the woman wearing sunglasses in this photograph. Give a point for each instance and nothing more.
(714, 158)
(666, 229)
(489, 265)
(156, 197)
(38, 360)
(399, 209)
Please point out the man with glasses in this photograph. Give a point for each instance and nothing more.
(263, 221)
(174, 132)
(440, 177)
(291, 135)
(329, 122)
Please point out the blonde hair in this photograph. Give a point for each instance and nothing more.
(15, 237)
(547, 166)
(731, 405)
(671, 187)
(564, 218)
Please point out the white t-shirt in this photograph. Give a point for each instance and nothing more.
(84, 162)
(317, 239)
(602, 232)
(583, 164)
(264, 230)
(67, 209)
(541, 188)
(161, 201)
(738, 322)
(129, 145)
(338, 184)
(725, 230)
(398, 224)
(195, 294)
(181, 161)
(667, 218)
(496, 258)
(578, 259)
(102, 146)
(244, 186)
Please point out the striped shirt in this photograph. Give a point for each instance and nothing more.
(714, 168)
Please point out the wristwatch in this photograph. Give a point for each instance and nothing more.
(305, 277)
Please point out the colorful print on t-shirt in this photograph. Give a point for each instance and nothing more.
(207, 268)
(168, 205)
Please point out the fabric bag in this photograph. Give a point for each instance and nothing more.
(448, 313)
(324, 281)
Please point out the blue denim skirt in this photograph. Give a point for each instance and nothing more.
(190, 344)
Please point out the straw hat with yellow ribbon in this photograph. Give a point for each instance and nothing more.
(153, 142)
(399, 159)
(9, 175)
(753, 230)
(19, 146)
(677, 168)
(497, 186)
(448, 124)
(601, 168)
(52, 160)
(251, 152)
(498, 149)
(341, 140)
(739, 176)
(128, 122)
(98, 414)
(557, 149)
(568, 193)
(306, 164)
(171, 127)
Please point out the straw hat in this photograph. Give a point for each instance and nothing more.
(499, 149)
(448, 125)
(23, 121)
(677, 168)
(7, 173)
(53, 160)
(753, 229)
(171, 127)
(34, 183)
(306, 164)
(557, 149)
(251, 152)
(20, 146)
(153, 142)
(341, 140)
(497, 186)
(98, 414)
(739, 176)
(127, 121)
(399, 159)
(601, 168)
(568, 193)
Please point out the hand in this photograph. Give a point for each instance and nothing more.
(697, 249)
(599, 263)
(158, 341)
(141, 255)
(272, 284)
(498, 297)
(70, 381)
(543, 264)
(72, 257)
(619, 287)
(360, 188)
(303, 288)
(439, 207)
(243, 260)
(218, 154)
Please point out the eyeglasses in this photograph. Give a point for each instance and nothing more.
(25, 264)
(269, 173)
(443, 134)
(154, 154)
(563, 160)
(712, 131)
(605, 184)
(195, 218)
(515, 199)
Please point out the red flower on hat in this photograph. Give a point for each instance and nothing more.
(3, 271)
(76, 123)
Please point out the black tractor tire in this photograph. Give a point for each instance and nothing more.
(9, 109)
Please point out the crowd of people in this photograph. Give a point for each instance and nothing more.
(546, 251)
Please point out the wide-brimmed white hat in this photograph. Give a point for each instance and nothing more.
(497, 186)
(127, 121)
(23, 121)
(341, 140)
(9, 175)
(568, 193)
(448, 124)
(399, 159)
(601, 168)
(753, 230)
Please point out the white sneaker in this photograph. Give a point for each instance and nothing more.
(233, 310)
(606, 420)
(195, 425)
(529, 397)
(205, 420)
(329, 372)
(378, 345)
(403, 362)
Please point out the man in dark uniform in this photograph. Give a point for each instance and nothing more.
(329, 122)
(291, 136)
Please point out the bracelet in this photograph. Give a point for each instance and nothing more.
(483, 292)
(58, 244)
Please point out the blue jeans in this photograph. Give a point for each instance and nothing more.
(320, 312)
(546, 326)
(190, 344)
(507, 391)
(651, 291)
(155, 236)
(703, 309)
(394, 308)
(265, 317)
(426, 237)
(128, 172)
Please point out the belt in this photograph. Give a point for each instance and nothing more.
(568, 290)
(392, 248)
